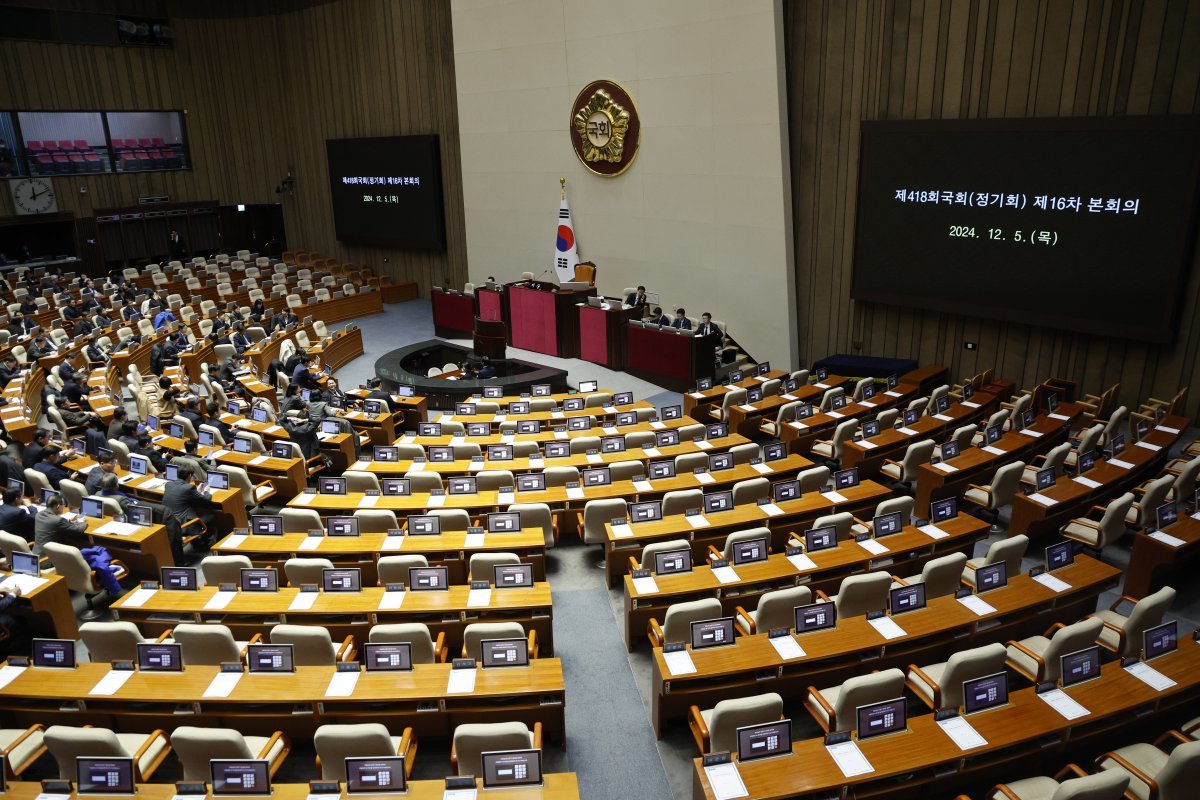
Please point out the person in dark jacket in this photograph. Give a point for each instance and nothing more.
(120, 415)
(32, 453)
(16, 515)
(96, 436)
(183, 501)
(51, 526)
(105, 465)
(377, 393)
(50, 467)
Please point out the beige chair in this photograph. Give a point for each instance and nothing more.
(1010, 550)
(680, 500)
(425, 481)
(361, 481)
(715, 729)
(452, 519)
(776, 609)
(300, 520)
(1037, 657)
(73, 492)
(561, 476)
(22, 747)
(489, 480)
(734, 397)
(376, 520)
(732, 540)
(209, 643)
(905, 470)
(1153, 774)
(833, 707)
(9, 544)
(813, 479)
(538, 515)
(473, 739)
(394, 569)
(312, 646)
(1141, 514)
(827, 399)
(859, 594)
(582, 444)
(677, 622)
(336, 743)
(423, 648)
(999, 418)
(1122, 633)
(831, 449)
(744, 453)
(66, 743)
(1100, 533)
(481, 564)
(111, 641)
(223, 569)
(253, 494)
(477, 632)
(751, 490)
(1088, 440)
(300, 571)
(68, 562)
(842, 522)
(687, 463)
(598, 512)
(962, 437)
(999, 493)
(893, 504)
(1107, 785)
(787, 413)
(195, 747)
(1056, 458)
(940, 685)
(941, 576)
(654, 548)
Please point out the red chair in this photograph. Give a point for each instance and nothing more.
(118, 144)
(49, 145)
(159, 142)
(82, 144)
(45, 163)
(65, 144)
(33, 145)
(77, 161)
(93, 162)
(143, 142)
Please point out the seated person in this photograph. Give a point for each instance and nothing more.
(50, 526)
(375, 385)
(183, 501)
(110, 487)
(681, 322)
(657, 317)
(9, 369)
(16, 515)
(51, 467)
(707, 327)
(637, 299)
(190, 461)
(105, 465)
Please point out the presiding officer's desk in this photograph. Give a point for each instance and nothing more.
(345, 613)
(452, 549)
(555, 786)
(795, 515)
(924, 762)
(297, 703)
(45, 603)
(945, 626)
(907, 552)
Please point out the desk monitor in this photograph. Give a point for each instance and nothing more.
(241, 445)
(1059, 555)
(1165, 515)
(782, 491)
(233, 407)
(720, 461)
(424, 524)
(943, 510)
(988, 692)
(667, 413)
(600, 476)
(1045, 478)
(374, 407)
(179, 579)
(645, 511)
(341, 579)
(25, 564)
(477, 429)
(440, 454)
(54, 653)
(1080, 666)
(535, 426)
(429, 429)
(175, 429)
(461, 485)
(906, 598)
(79, 445)
(16, 485)
(804, 411)
(822, 538)
(588, 386)
(815, 616)
(993, 576)
(754, 394)
(512, 576)
(716, 430)
(106, 775)
(492, 392)
(666, 438)
(749, 551)
(261, 525)
(384, 775)
(774, 451)
(335, 486)
(139, 465)
(504, 652)
(845, 478)
(712, 633)
(1160, 640)
(160, 657)
(870, 391)
(92, 507)
(942, 404)
(386, 454)
(623, 398)
(330, 427)
(259, 579)
(403, 390)
(556, 450)
(579, 423)
(387, 656)
(870, 428)
(503, 768)
(1027, 418)
(395, 487)
(151, 422)
(531, 482)
(670, 562)
(715, 502)
(839, 401)
(270, 658)
(540, 390)
(50, 494)
(910, 417)
(767, 740)
(504, 522)
(428, 579)
(993, 434)
(573, 404)
(888, 524)
(662, 469)
(704, 384)
(1086, 461)
(139, 515)
(518, 407)
(1118, 445)
(612, 444)
(500, 452)
(735, 376)
(258, 415)
(240, 777)
(880, 719)
(343, 526)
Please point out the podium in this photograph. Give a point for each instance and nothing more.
(664, 356)
(453, 314)
(490, 338)
(602, 334)
(542, 317)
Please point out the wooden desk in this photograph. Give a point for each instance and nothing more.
(1152, 560)
(261, 703)
(695, 399)
(47, 608)
(145, 551)
(945, 626)
(924, 762)
(544, 417)
(555, 786)
(668, 358)
(801, 435)
(908, 552)
(287, 475)
(549, 434)
(602, 333)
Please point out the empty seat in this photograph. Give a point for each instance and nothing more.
(335, 743)
(195, 747)
(715, 729)
(833, 707)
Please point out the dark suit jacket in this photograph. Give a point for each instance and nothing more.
(632, 300)
(184, 501)
(17, 520)
(708, 329)
(684, 324)
(50, 527)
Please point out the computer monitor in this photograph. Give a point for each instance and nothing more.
(774, 451)
(783, 491)
(662, 469)
(428, 579)
(151, 422)
(888, 524)
(500, 452)
(1080, 666)
(424, 524)
(139, 515)
(870, 428)
(175, 429)
(160, 657)
(504, 652)
(92, 507)
(815, 616)
(1045, 478)
(535, 426)
(531, 482)
(822, 538)
(341, 579)
(139, 465)
(429, 429)
(504, 768)
(1166, 515)
(240, 777)
(1086, 461)
(943, 510)
(754, 394)
(622, 398)
(949, 450)
(477, 429)
(716, 502)
(504, 522)
(906, 598)
(1059, 555)
(720, 461)
(402, 390)
(461, 485)
(395, 487)
(331, 485)
(16, 485)
(667, 413)
(880, 719)
(1160, 640)
(385, 454)
(217, 480)
(645, 511)
(343, 526)
(712, 633)
(910, 416)
(25, 563)
(750, 551)
(588, 386)
(259, 414)
(670, 562)
(263, 525)
(540, 390)
(735, 376)
(259, 579)
(993, 434)
(330, 427)
(518, 407)
(376, 407)
(1118, 445)
(512, 576)
(270, 658)
(993, 576)
(242, 445)
(387, 656)
(440, 454)
(666, 438)
(107, 775)
(574, 404)
(179, 579)
(171, 473)
(983, 694)
(54, 653)
(600, 476)
(383, 775)
(612, 444)
(492, 392)
(845, 478)
(233, 407)
(766, 740)
(704, 384)
(579, 423)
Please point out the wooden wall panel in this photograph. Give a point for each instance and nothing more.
(264, 85)
(855, 60)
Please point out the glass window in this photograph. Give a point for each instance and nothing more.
(145, 140)
(63, 142)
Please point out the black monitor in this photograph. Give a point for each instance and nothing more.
(670, 562)
(712, 633)
(424, 524)
(217, 480)
(888, 524)
(845, 478)
(334, 486)
(343, 526)
(1160, 640)
(25, 563)
(387, 656)
(331, 427)
(387, 454)
(503, 768)
(160, 657)
(258, 414)
(270, 658)
(815, 617)
(54, 653)
(240, 777)
(179, 579)
(870, 428)
(171, 473)
(142, 516)
(531, 482)
(782, 491)
(259, 579)
(622, 398)
(600, 476)
(512, 652)
(1118, 445)
(492, 392)
(574, 404)
(477, 429)
(766, 740)
(715, 502)
(1059, 555)
(1086, 461)
(341, 579)
(1045, 478)
(666, 438)
(395, 487)
(512, 576)
(92, 507)
(1080, 666)
(949, 450)
(662, 469)
(588, 386)
(704, 384)
(281, 450)
(822, 538)
(461, 485)
(433, 429)
(428, 579)
(774, 451)
(440, 454)
(262, 525)
(720, 461)
(612, 444)
(645, 511)
(241, 444)
(910, 416)
(540, 390)
(383, 775)
(373, 407)
(139, 465)
(518, 407)
(880, 719)
(579, 423)
(1165, 515)
(716, 430)
(500, 452)
(670, 412)
(175, 429)
(106, 775)
(749, 551)
(992, 576)
(982, 694)
(504, 522)
(906, 598)
(943, 510)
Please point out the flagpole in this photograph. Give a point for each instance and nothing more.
(563, 183)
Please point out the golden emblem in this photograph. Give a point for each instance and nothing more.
(605, 128)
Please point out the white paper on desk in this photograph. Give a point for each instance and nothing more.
(460, 794)
(1059, 416)
(87, 469)
(408, 438)
(762, 468)
(698, 521)
(821, 385)
(303, 601)
(233, 541)
(392, 543)
(1088, 482)
(302, 499)
(609, 430)
(219, 600)
(536, 462)
(575, 493)
(223, 684)
(704, 444)
(642, 486)
(1031, 432)
(787, 647)
(1052, 583)
(867, 444)
(341, 684)
(725, 575)
(417, 466)
(969, 404)
(115, 528)
(873, 547)
(435, 501)
(679, 663)
(1150, 676)
(705, 477)
(1064, 704)
(908, 431)
(850, 759)
(788, 397)
(499, 417)
(1116, 462)
(657, 425)
(391, 601)
(26, 583)
(1167, 539)
(51, 796)
(996, 451)
(977, 605)
(747, 407)
(725, 781)
(138, 597)
(834, 497)
(893, 393)
(797, 424)
(622, 531)
(1148, 446)
(476, 466)
(594, 458)
(646, 585)
(368, 501)
(653, 452)
(834, 414)
(9, 674)
(275, 429)
(462, 681)
(696, 395)
(961, 733)
(111, 683)
(219, 453)
(867, 403)
(508, 438)
(770, 509)
(311, 543)
(945, 466)
(802, 562)
(1165, 429)
(943, 417)
(445, 417)
(479, 598)
(1041, 499)
(887, 627)
(473, 541)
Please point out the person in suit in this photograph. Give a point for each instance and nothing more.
(50, 526)
(105, 465)
(120, 415)
(191, 412)
(681, 322)
(50, 467)
(96, 436)
(638, 298)
(102, 319)
(657, 317)
(110, 486)
(95, 352)
(284, 319)
(240, 340)
(375, 385)
(9, 369)
(707, 327)
(40, 348)
(28, 305)
(176, 247)
(32, 453)
(16, 515)
(72, 312)
(190, 461)
(183, 501)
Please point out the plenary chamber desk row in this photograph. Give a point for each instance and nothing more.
(555, 786)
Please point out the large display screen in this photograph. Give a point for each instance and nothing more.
(1081, 224)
